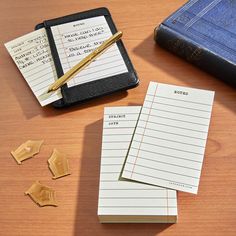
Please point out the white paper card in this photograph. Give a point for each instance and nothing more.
(125, 197)
(169, 142)
(75, 40)
(32, 55)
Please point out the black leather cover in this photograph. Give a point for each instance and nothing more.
(87, 91)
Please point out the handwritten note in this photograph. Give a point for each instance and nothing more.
(32, 55)
(125, 201)
(75, 40)
(169, 142)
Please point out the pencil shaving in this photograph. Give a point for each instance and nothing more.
(58, 164)
(27, 150)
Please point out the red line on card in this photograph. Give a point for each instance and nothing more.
(144, 131)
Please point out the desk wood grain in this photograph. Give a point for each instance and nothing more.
(78, 131)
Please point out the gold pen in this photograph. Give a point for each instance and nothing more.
(85, 62)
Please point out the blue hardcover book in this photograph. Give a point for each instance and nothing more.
(204, 33)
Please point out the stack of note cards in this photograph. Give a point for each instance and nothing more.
(150, 152)
(126, 201)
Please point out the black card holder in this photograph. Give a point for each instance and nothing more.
(97, 88)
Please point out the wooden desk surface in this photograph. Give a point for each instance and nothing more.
(78, 130)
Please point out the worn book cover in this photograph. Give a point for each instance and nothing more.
(204, 33)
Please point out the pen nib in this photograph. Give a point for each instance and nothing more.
(45, 95)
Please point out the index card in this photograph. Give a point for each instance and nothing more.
(126, 201)
(75, 40)
(169, 142)
(32, 55)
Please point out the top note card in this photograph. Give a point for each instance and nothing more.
(170, 138)
(75, 40)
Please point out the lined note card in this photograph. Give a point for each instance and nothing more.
(126, 201)
(75, 40)
(32, 55)
(169, 142)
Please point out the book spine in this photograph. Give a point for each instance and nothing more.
(192, 52)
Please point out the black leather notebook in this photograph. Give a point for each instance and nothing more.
(73, 37)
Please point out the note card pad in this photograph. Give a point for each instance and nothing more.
(169, 142)
(127, 201)
(71, 39)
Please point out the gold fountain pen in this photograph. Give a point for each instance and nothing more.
(84, 62)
